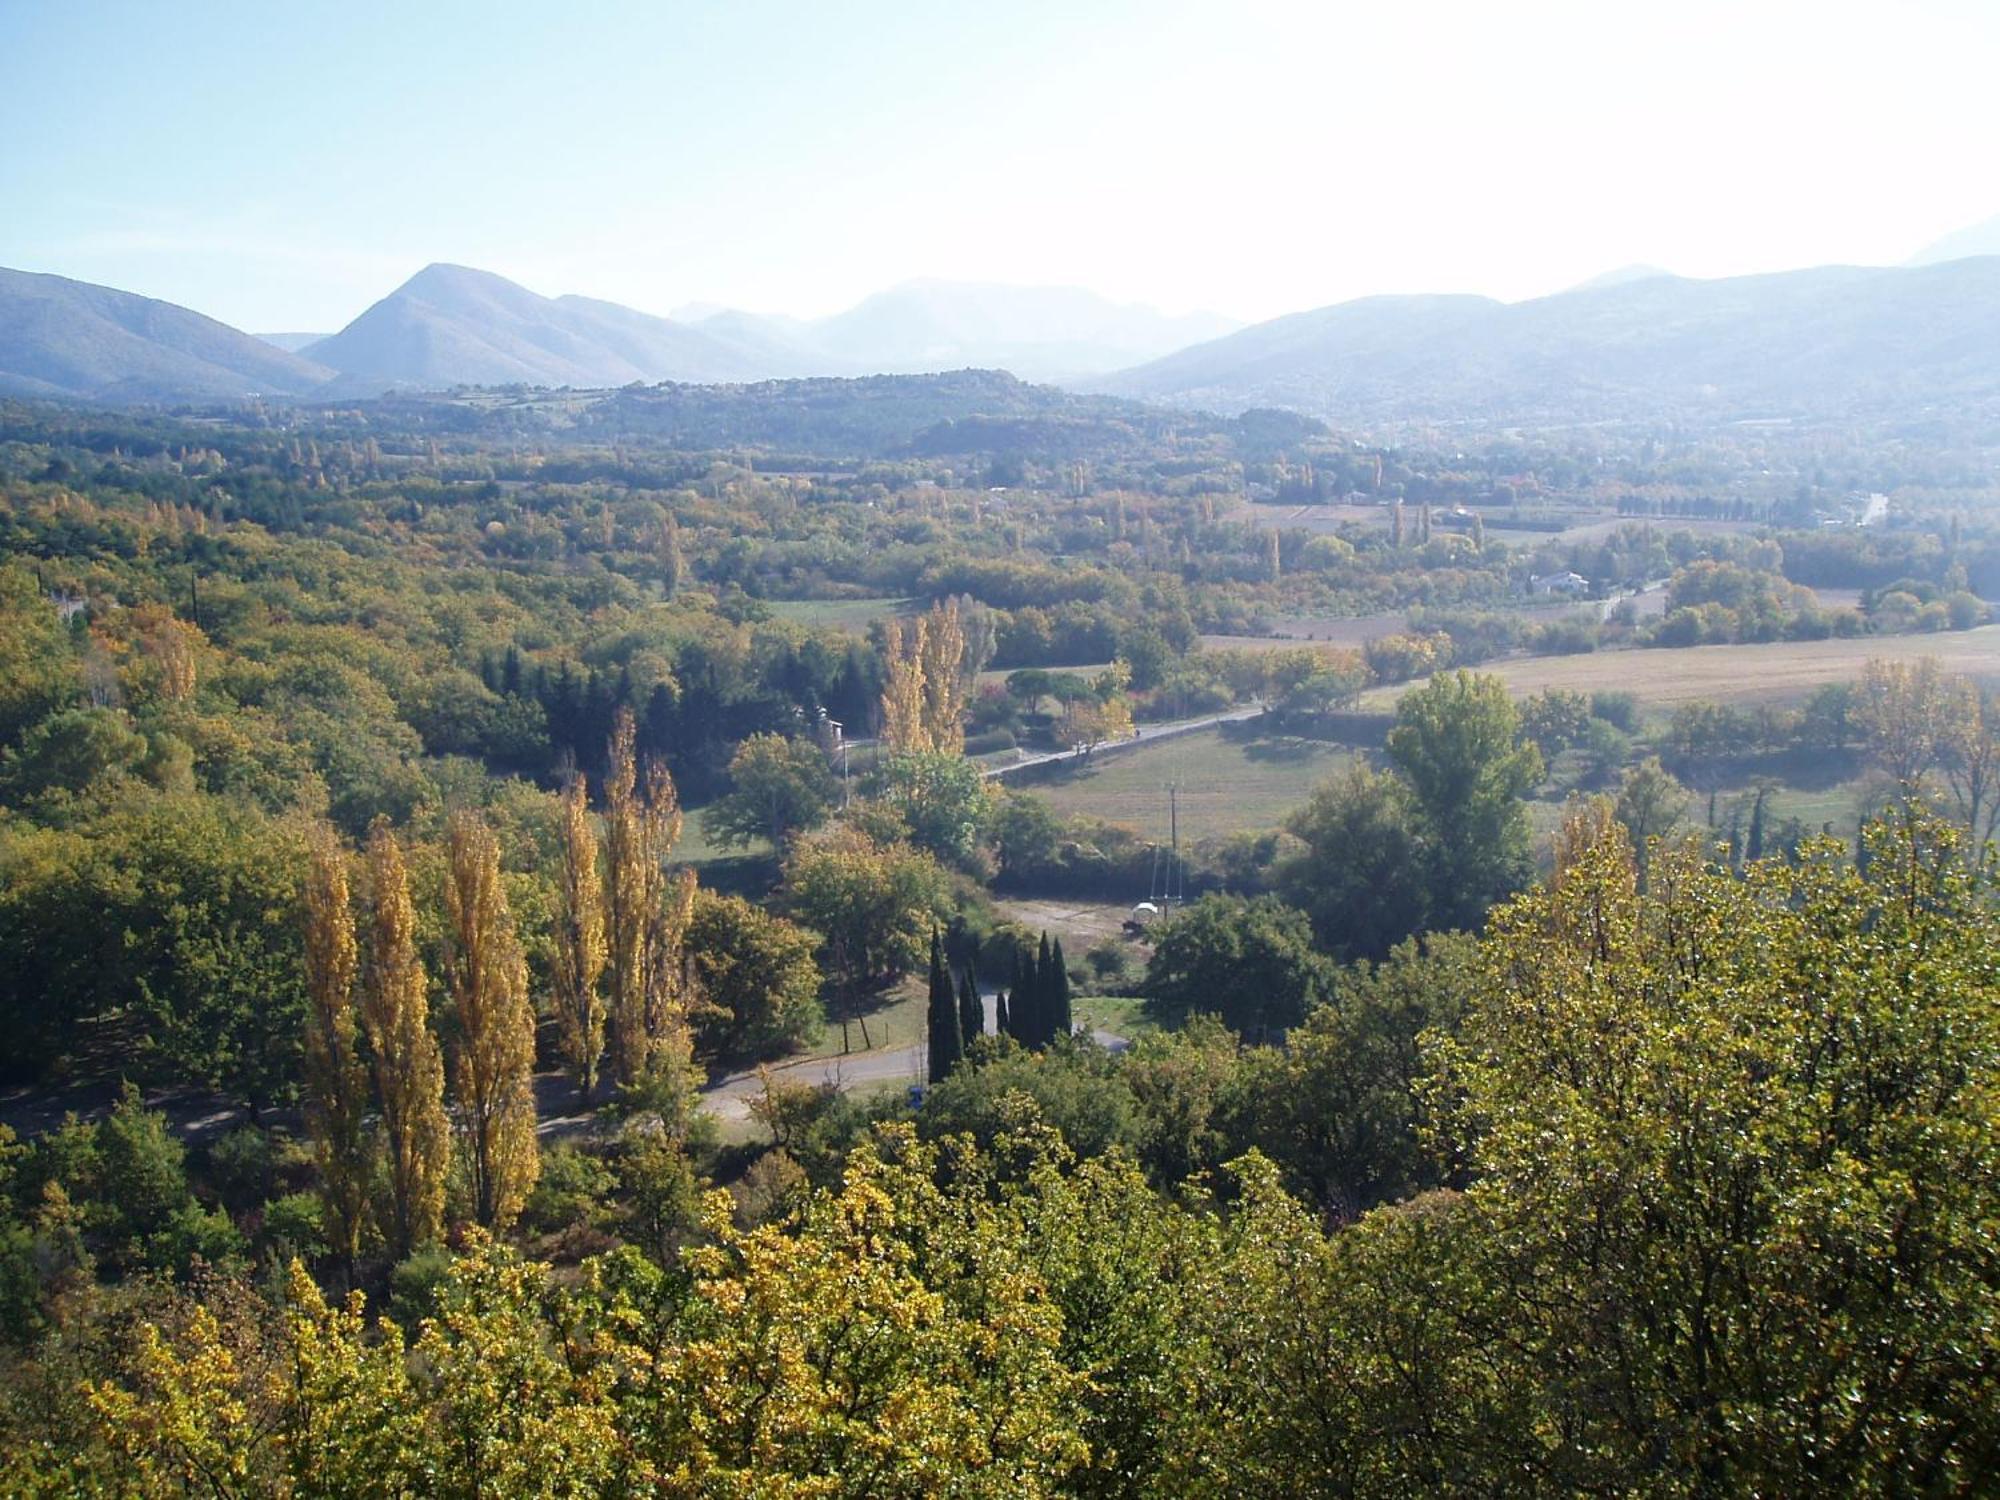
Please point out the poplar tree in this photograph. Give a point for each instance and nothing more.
(904, 729)
(336, 1079)
(409, 1070)
(941, 651)
(579, 957)
(646, 917)
(493, 1061)
(947, 1047)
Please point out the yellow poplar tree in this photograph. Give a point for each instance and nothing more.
(646, 915)
(493, 1063)
(904, 726)
(941, 652)
(409, 1070)
(580, 949)
(336, 1080)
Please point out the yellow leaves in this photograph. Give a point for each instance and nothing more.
(923, 696)
(493, 1063)
(181, 1424)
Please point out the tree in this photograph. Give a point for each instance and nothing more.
(493, 1061)
(944, 800)
(579, 941)
(757, 979)
(971, 1009)
(1360, 875)
(1650, 802)
(1794, 1213)
(409, 1070)
(1062, 1022)
(942, 648)
(780, 787)
(1969, 752)
(646, 914)
(336, 1078)
(1338, 1106)
(1902, 710)
(870, 903)
(941, 1025)
(1251, 962)
(904, 727)
(1457, 742)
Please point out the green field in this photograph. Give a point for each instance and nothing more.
(851, 615)
(1227, 783)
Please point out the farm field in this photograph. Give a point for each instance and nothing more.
(1774, 672)
(1229, 783)
(850, 615)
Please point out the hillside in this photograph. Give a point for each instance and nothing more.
(74, 339)
(452, 325)
(1824, 343)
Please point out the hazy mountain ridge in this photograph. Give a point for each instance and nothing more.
(1820, 342)
(453, 325)
(75, 339)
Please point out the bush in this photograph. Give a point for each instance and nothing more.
(573, 1188)
(990, 743)
(1618, 709)
(294, 1225)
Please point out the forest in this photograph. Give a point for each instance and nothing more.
(526, 933)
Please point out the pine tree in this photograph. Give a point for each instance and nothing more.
(336, 1079)
(409, 1070)
(971, 1011)
(1062, 1023)
(579, 955)
(947, 1047)
(494, 1059)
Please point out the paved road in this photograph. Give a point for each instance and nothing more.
(1146, 735)
(729, 1098)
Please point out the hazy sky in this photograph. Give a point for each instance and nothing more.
(281, 165)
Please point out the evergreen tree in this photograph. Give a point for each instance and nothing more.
(947, 1047)
(1003, 1024)
(1062, 1023)
(971, 1013)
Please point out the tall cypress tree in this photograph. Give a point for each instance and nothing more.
(1062, 1023)
(1045, 997)
(971, 1013)
(1003, 1023)
(947, 1047)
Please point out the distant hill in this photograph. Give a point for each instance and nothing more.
(1820, 343)
(1974, 239)
(73, 339)
(1619, 275)
(1037, 333)
(291, 343)
(452, 325)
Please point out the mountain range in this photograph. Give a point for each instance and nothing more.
(1828, 342)
(1823, 343)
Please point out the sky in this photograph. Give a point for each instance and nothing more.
(282, 166)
